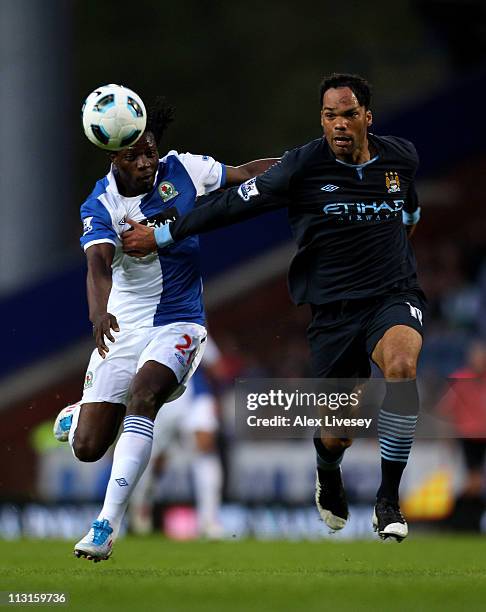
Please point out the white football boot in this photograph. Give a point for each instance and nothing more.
(63, 423)
(97, 543)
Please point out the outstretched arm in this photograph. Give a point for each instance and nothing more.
(254, 197)
(219, 210)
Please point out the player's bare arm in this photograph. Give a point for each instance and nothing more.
(98, 284)
(239, 174)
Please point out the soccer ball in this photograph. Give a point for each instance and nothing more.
(114, 117)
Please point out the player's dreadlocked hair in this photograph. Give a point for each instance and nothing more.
(358, 85)
(160, 114)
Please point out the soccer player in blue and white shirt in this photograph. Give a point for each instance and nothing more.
(147, 314)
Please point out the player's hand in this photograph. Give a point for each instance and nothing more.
(139, 240)
(102, 326)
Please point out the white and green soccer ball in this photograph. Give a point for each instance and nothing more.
(114, 117)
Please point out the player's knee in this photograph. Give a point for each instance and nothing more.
(400, 366)
(88, 450)
(143, 401)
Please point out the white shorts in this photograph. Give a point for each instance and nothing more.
(179, 346)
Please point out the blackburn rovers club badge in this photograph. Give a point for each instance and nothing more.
(88, 380)
(392, 182)
(167, 191)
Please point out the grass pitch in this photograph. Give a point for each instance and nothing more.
(440, 573)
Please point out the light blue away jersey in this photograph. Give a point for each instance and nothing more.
(166, 286)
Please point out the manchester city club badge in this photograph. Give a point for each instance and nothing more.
(392, 182)
(167, 191)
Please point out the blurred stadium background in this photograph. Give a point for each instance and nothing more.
(244, 79)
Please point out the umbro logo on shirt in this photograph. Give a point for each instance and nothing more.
(329, 187)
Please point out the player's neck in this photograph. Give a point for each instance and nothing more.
(358, 156)
(125, 190)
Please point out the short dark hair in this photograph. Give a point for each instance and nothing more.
(357, 84)
(160, 115)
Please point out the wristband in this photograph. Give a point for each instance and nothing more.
(162, 236)
(411, 218)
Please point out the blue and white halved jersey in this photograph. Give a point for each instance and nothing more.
(166, 286)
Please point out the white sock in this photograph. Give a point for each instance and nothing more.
(74, 424)
(208, 479)
(132, 454)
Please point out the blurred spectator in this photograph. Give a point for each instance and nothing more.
(465, 405)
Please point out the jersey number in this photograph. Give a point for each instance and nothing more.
(182, 348)
(415, 312)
